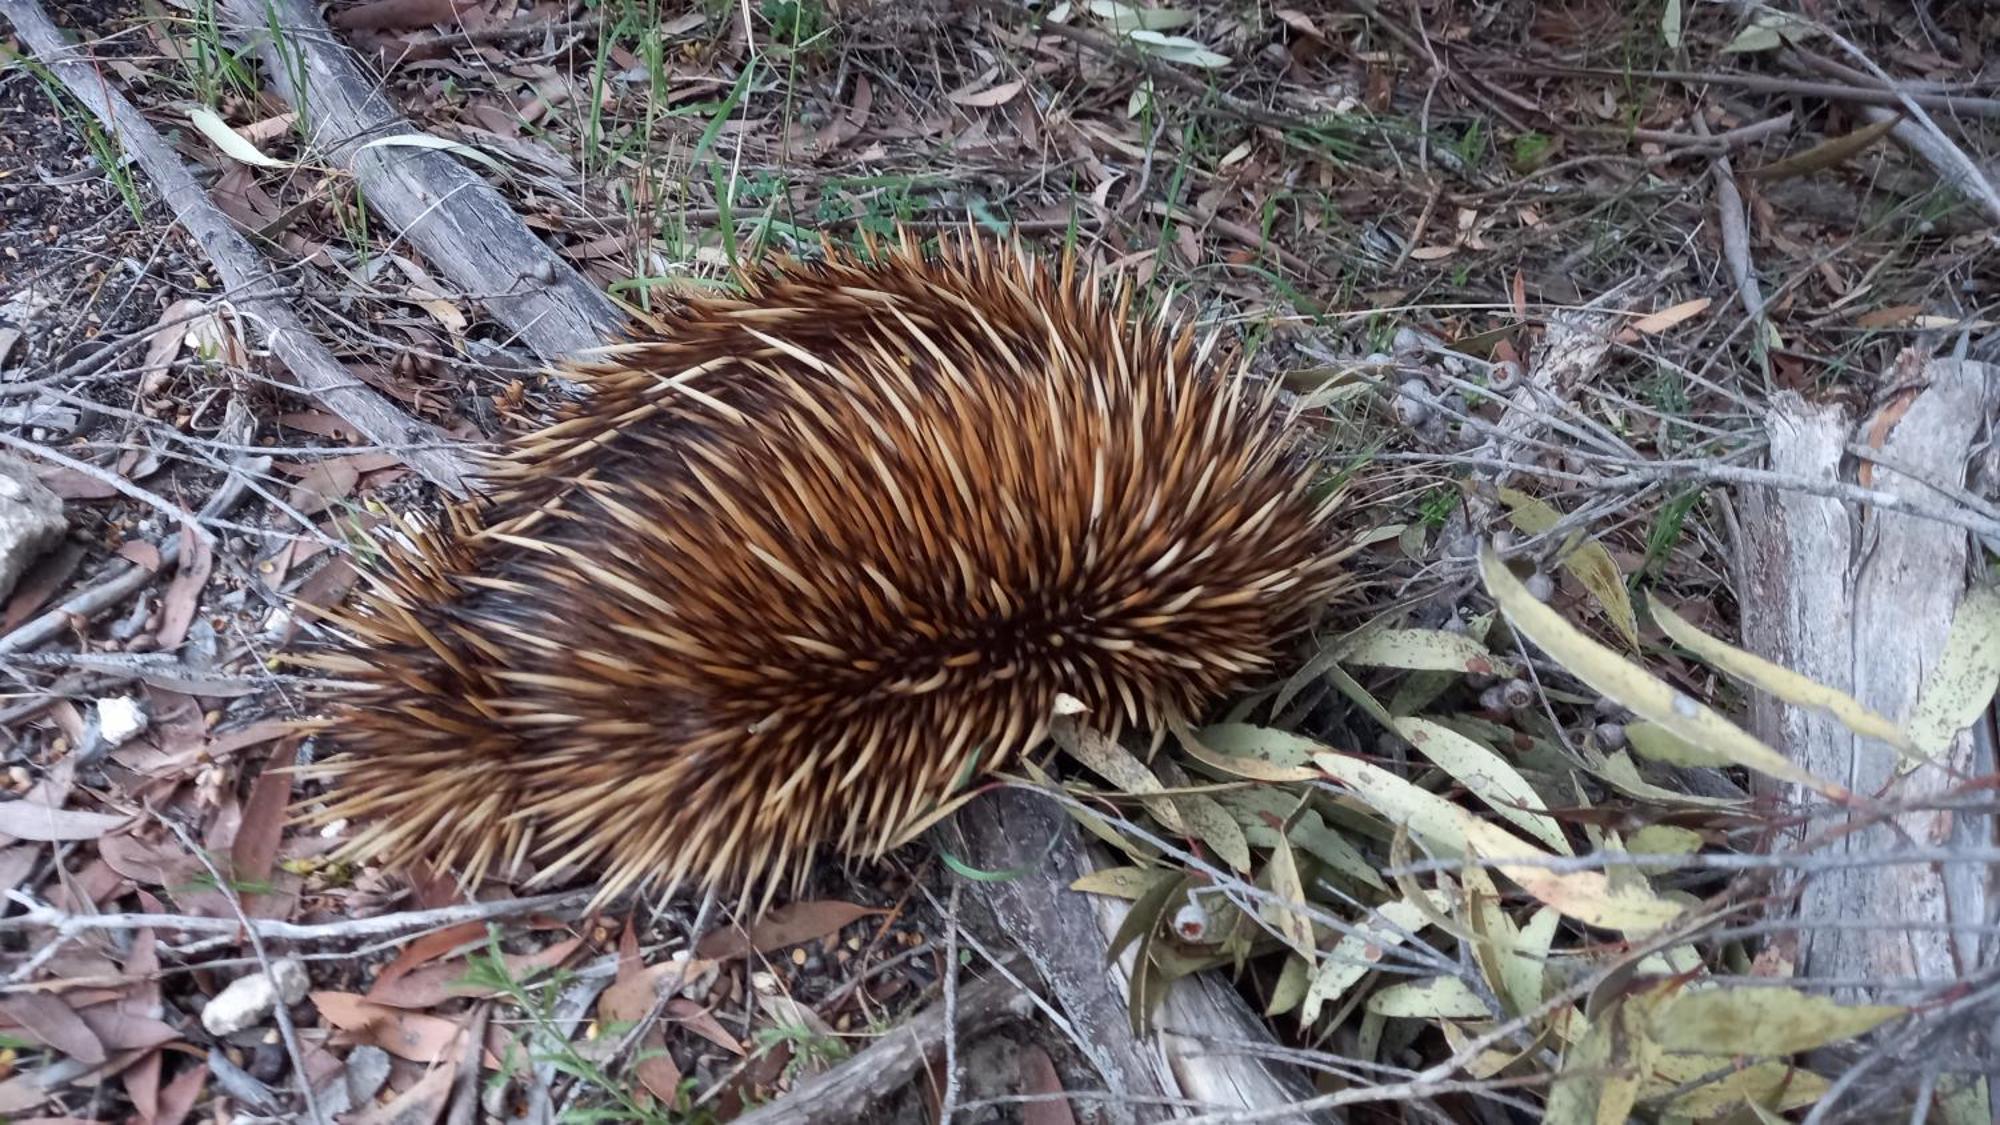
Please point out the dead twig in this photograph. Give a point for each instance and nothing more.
(461, 224)
(37, 914)
(1735, 230)
(1766, 84)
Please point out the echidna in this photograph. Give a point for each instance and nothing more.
(816, 554)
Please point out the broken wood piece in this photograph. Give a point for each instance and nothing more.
(849, 1090)
(464, 228)
(1862, 601)
(242, 269)
(1064, 933)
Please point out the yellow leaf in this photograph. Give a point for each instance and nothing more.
(1639, 690)
(1800, 691)
(1289, 916)
(1436, 998)
(1660, 744)
(1654, 323)
(1116, 765)
(1212, 825)
(1118, 882)
(1967, 674)
(1250, 755)
(1583, 557)
(1488, 775)
(1761, 1022)
(1422, 650)
(1358, 952)
(1587, 896)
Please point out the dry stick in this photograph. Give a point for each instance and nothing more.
(1924, 136)
(1735, 230)
(1765, 84)
(459, 222)
(318, 373)
(39, 914)
(847, 1091)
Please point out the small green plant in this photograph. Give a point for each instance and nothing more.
(1437, 506)
(795, 24)
(811, 1050)
(602, 1096)
(1668, 523)
(1531, 151)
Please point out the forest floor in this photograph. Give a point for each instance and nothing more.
(1410, 207)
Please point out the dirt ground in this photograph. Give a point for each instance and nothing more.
(1658, 217)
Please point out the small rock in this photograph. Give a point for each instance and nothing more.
(119, 718)
(248, 999)
(31, 522)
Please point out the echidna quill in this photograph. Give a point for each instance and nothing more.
(815, 555)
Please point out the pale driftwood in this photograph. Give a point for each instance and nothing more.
(424, 448)
(1204, 1009)
(1055, 928)
(1862, 601)
(438, 205)
(850, 1090)
(1065, 933)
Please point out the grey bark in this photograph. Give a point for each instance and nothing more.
(1862, 602)
(243, 271)
(464, 227)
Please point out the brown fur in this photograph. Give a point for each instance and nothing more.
(813, 557)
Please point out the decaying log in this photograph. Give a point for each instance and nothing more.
(243, 271)
(1862, 601)
(1065, 933)
(849, 1091)
(464, 228)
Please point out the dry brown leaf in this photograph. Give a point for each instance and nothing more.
(1300, 22)
(142, 1086)
(698, 1020)
(72, 485)
(123, 1025)
(627, 1001)
(434, 984)
(990, 97)
(183, 597)
(424, 1101)
(787, 925)
(51, 1020)
(148, 864)
(422, 950)
(41, 583)
(406, 1035)
(28, 820)
(140, 553)
(323, 483)
(178, 1097)
(255, 850)
(1893, 316)
(25, 1091)
(1655, 323)
(1040, 1081)
(319, 424)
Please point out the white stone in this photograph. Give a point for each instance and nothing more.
(119, 718)
(31, 522)
(248, 999)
